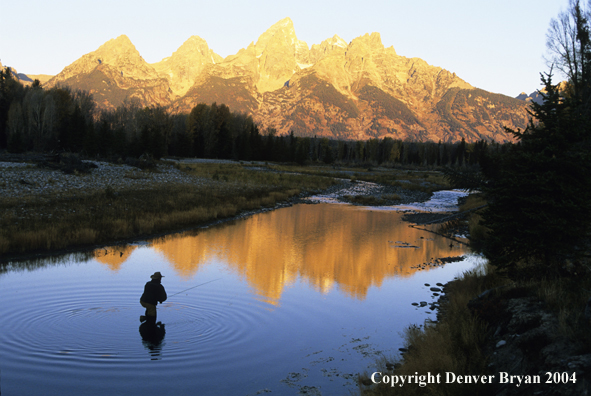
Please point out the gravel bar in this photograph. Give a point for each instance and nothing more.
(19, 179)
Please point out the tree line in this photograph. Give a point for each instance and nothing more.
(62, 119)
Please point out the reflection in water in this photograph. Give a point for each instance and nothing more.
(114, 256)
(330, 246)
(31, 264)
(53, 329)
(152, 336)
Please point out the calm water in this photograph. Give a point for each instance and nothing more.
(301, 297)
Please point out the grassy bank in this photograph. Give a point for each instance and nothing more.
(463, 341)
(453, 345)
(69, 220)
(422, 180)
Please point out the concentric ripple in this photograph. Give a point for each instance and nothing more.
(71, 327)
(80, 329)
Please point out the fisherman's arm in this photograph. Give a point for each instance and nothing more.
(163, 295)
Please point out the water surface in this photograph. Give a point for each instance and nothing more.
(297, 299)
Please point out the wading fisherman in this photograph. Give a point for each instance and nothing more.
(153, 294)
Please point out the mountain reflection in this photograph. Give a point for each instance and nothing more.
(114, 256)
(328, 246)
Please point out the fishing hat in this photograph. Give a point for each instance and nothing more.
(157, 275)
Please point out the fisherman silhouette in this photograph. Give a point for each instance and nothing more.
(152, 336)
(153, 294)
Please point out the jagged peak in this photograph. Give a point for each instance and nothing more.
(121, 42)
(115, 49)
(374, 39)
(118, 54)
(326, 47)
(193, 44)
(285, 26)
(338, 41)
(194, 40)
(122, 39)
(283, 23)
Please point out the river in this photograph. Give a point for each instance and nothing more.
(292, 301)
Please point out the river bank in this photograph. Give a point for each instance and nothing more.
(49, 208)
(495, 336)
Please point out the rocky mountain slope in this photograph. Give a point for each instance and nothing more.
(114, 72)
(532, 97)
(538, 96)
(355, 90)
(26, 79)
(186, 63)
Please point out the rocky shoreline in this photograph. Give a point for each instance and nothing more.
(524, 341)
(23, 179)
(22, 176)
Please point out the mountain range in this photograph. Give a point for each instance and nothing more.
(356, 90)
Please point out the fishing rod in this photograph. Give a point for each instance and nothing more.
(205, 283)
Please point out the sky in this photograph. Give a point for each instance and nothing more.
(498, 46)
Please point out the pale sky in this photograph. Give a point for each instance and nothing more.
(496, 45)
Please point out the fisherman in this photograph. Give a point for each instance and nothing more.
(154, 293)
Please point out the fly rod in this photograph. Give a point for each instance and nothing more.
(205, 283)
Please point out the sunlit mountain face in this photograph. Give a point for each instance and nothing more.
(355, 90)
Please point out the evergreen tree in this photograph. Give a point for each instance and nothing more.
(292, 147)
(17, 139)
(461, 152)
(540, 191)
(269, 151)
(11, 90)
(326, 151)
(302, 150)
(255, 142)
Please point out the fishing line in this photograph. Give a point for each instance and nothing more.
(205, 283)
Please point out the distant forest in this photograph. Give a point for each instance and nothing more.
(34, 119)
